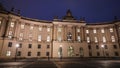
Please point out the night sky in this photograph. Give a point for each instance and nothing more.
(92, 10)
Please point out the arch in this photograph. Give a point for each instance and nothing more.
(70, 51)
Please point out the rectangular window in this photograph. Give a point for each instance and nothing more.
(89, 47)
(29, 53)
(115, 46)
(102, 30)
(19, 53)
(48, 46)
(30, 46)
(22, 26)
(97, 47)
(47, 53)
(78, 30)
(111, 29)
(40, 28)
(48, 38)
(98, 54)
(39, 38)
(94, 31)
(38, 53)
(48, 29)
(79, 40)
(88, 39)
(104, 39)
(9, 44)
(31, 27)
(87, 31)
(113, 38)
(8, 53)
(96, 40)
(116, 53)
(12, 24)
(20, 45)
(21, 34)
(10, 34)
(59, 29)
(39, 46)
(106, 47)
(90, 54)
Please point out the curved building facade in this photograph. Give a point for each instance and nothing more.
(23, 37)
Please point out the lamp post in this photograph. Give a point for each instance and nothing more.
(17, 45)
(102, 46)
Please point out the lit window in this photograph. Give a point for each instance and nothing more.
(39, 37)
(94, 31)
(113, 38)
(78, 30)
(102, 31)
(96, 40)
(79, 38)
(59, 29)
(21, 34)
(88, 39)
(12, 24)
(22, 26)
(10, 34)
(87, 31)
(111, 29)
(69, 36)
(48, 29)
(104, 39)
(31, 27)
(40, 28)
(48, 38)
(20, 39)
(8, 53)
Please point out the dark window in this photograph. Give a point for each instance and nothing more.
(98, 54)
(30, 46)
(29, 53)
(90, 54)
(20, 45)
(19, 53)
(10, 44)
(48, 46)
(38, 53)
(115, 46)
(106, 47)
(39, 46)
(47, 53)
(116, 54)
(97, 47)
(89, 46)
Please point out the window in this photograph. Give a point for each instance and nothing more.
(94, 31)
(78, 30)
(19, 53)
(48, 46)
(29, 53)
(102, 30)
(89, 46)
(115, 46)
(96, 40)
(47, 53)
(22, 26)
(48, 29)
(20, 39)
(90, 54)
(97, 47)
(8, 53)
(78, 38)
(39, 37)
(98, 54)
(10, 34)
(38, 53)
(31, 27)
(87, 31)
(20, 45)
(106, 47)
(69, 36)
(48, 38)
(88, 39)
(12, 24)
(111, 29)
(10, 44)
(116, 53)
(30, 46)
(104, 39)
(40, 28)
(59, 29)
(21, 34)
(113, 38)
(39, 46)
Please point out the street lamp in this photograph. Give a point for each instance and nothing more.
(17, 45)
(102, 46)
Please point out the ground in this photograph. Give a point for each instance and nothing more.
(61, 63)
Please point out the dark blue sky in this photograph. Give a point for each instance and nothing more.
(92, 10)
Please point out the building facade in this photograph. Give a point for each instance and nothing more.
(23, 37)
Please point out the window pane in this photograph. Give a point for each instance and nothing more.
(8, 53)
(111, 29)
(12, 24)
(102, 31)
(94, 31)
(87, 31)
(22, 26)
(10, 44)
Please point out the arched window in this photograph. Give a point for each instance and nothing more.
(70, 51)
